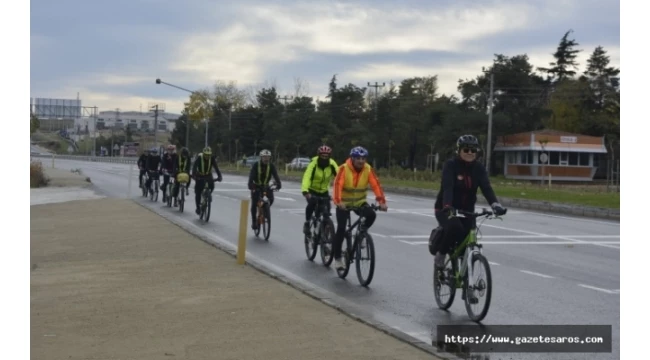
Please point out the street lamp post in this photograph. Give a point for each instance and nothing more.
(187, 128)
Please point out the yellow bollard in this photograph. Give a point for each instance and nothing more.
(243, 226)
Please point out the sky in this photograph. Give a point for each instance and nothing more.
(112, 52)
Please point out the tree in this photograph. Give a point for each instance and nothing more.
(34, 123)
(565, 60)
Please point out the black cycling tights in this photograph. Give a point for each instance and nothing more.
(454, 231)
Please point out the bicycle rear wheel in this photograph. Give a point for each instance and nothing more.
(445, 278)
(366, 245)
(478, 288)
(311, 246)
(346, 256)
(181, 201)
(267, 221)
(208, 208)
(326, 241)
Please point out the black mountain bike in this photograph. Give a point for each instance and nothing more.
(321, 231)
(264, 212)
(354, 251)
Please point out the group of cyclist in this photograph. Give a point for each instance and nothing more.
(461, 177)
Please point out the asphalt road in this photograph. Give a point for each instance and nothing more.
(546, 269)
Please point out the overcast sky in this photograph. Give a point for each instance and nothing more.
(111, 52)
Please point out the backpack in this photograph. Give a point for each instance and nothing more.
(435, 239)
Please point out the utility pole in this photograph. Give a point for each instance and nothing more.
(489, 136)
(187, 130)
(285, 99)
(155, 126)
(376, 86)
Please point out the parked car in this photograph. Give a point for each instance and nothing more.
(299, 163)
(250, 160)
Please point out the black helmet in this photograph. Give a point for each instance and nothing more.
(467, 141)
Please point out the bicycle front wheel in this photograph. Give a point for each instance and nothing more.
(181, 201)
(208, 208)
(266, 228)
(478, 288)
(365, 251)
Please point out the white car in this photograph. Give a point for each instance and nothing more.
(299, 163)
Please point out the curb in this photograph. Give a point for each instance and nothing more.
(339, 304)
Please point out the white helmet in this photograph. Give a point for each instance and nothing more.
(265, 153)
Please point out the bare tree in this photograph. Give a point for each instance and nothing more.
(301, 87)
(253, 90)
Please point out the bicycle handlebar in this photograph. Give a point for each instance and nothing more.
(372, 206)
(484, 212)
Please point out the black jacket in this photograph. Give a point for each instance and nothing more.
(168, 162)
(253, 175)
(199, 161)
(153, 163)
(142, 161)
(459, 185)
(187, 165)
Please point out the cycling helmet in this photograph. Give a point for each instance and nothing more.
(358, 151)
(265, 153)
(153, 150)
(467, 141)
(207, 151)
(324, 150)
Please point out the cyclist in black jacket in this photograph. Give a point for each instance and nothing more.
(461, 178)
(142, 164)
(204, 164)
(259, 177)
(153, 166)
(167, 167)
(182, 165)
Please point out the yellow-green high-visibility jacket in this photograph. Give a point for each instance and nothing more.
(317, 179)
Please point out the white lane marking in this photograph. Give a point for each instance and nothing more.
(493, 263)
(284, 198)
(378, 235)
(600, 289)
(517, 236)
(527, 242)
(535, 233)
(536, 274)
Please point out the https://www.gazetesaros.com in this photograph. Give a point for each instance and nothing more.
(520, 340)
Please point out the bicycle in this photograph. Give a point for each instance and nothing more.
(322, 231)
(145, 190)
(155, 182)
(354, 249)
(468, 252)
(168, 189)
(264, 212)
(182, 179)
(206, 203)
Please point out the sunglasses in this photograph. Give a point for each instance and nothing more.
(470, 150)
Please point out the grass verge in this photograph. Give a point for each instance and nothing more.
(586, 195)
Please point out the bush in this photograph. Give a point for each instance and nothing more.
(398, 173)
(37, 176)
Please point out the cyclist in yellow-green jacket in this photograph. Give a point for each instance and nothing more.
(316, 181)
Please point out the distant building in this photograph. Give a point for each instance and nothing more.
(139, 121)
(565, 156)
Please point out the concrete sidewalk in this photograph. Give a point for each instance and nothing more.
(134, 286)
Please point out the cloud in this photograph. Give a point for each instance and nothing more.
(355, 28)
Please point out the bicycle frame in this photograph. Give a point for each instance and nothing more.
(469, 247)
